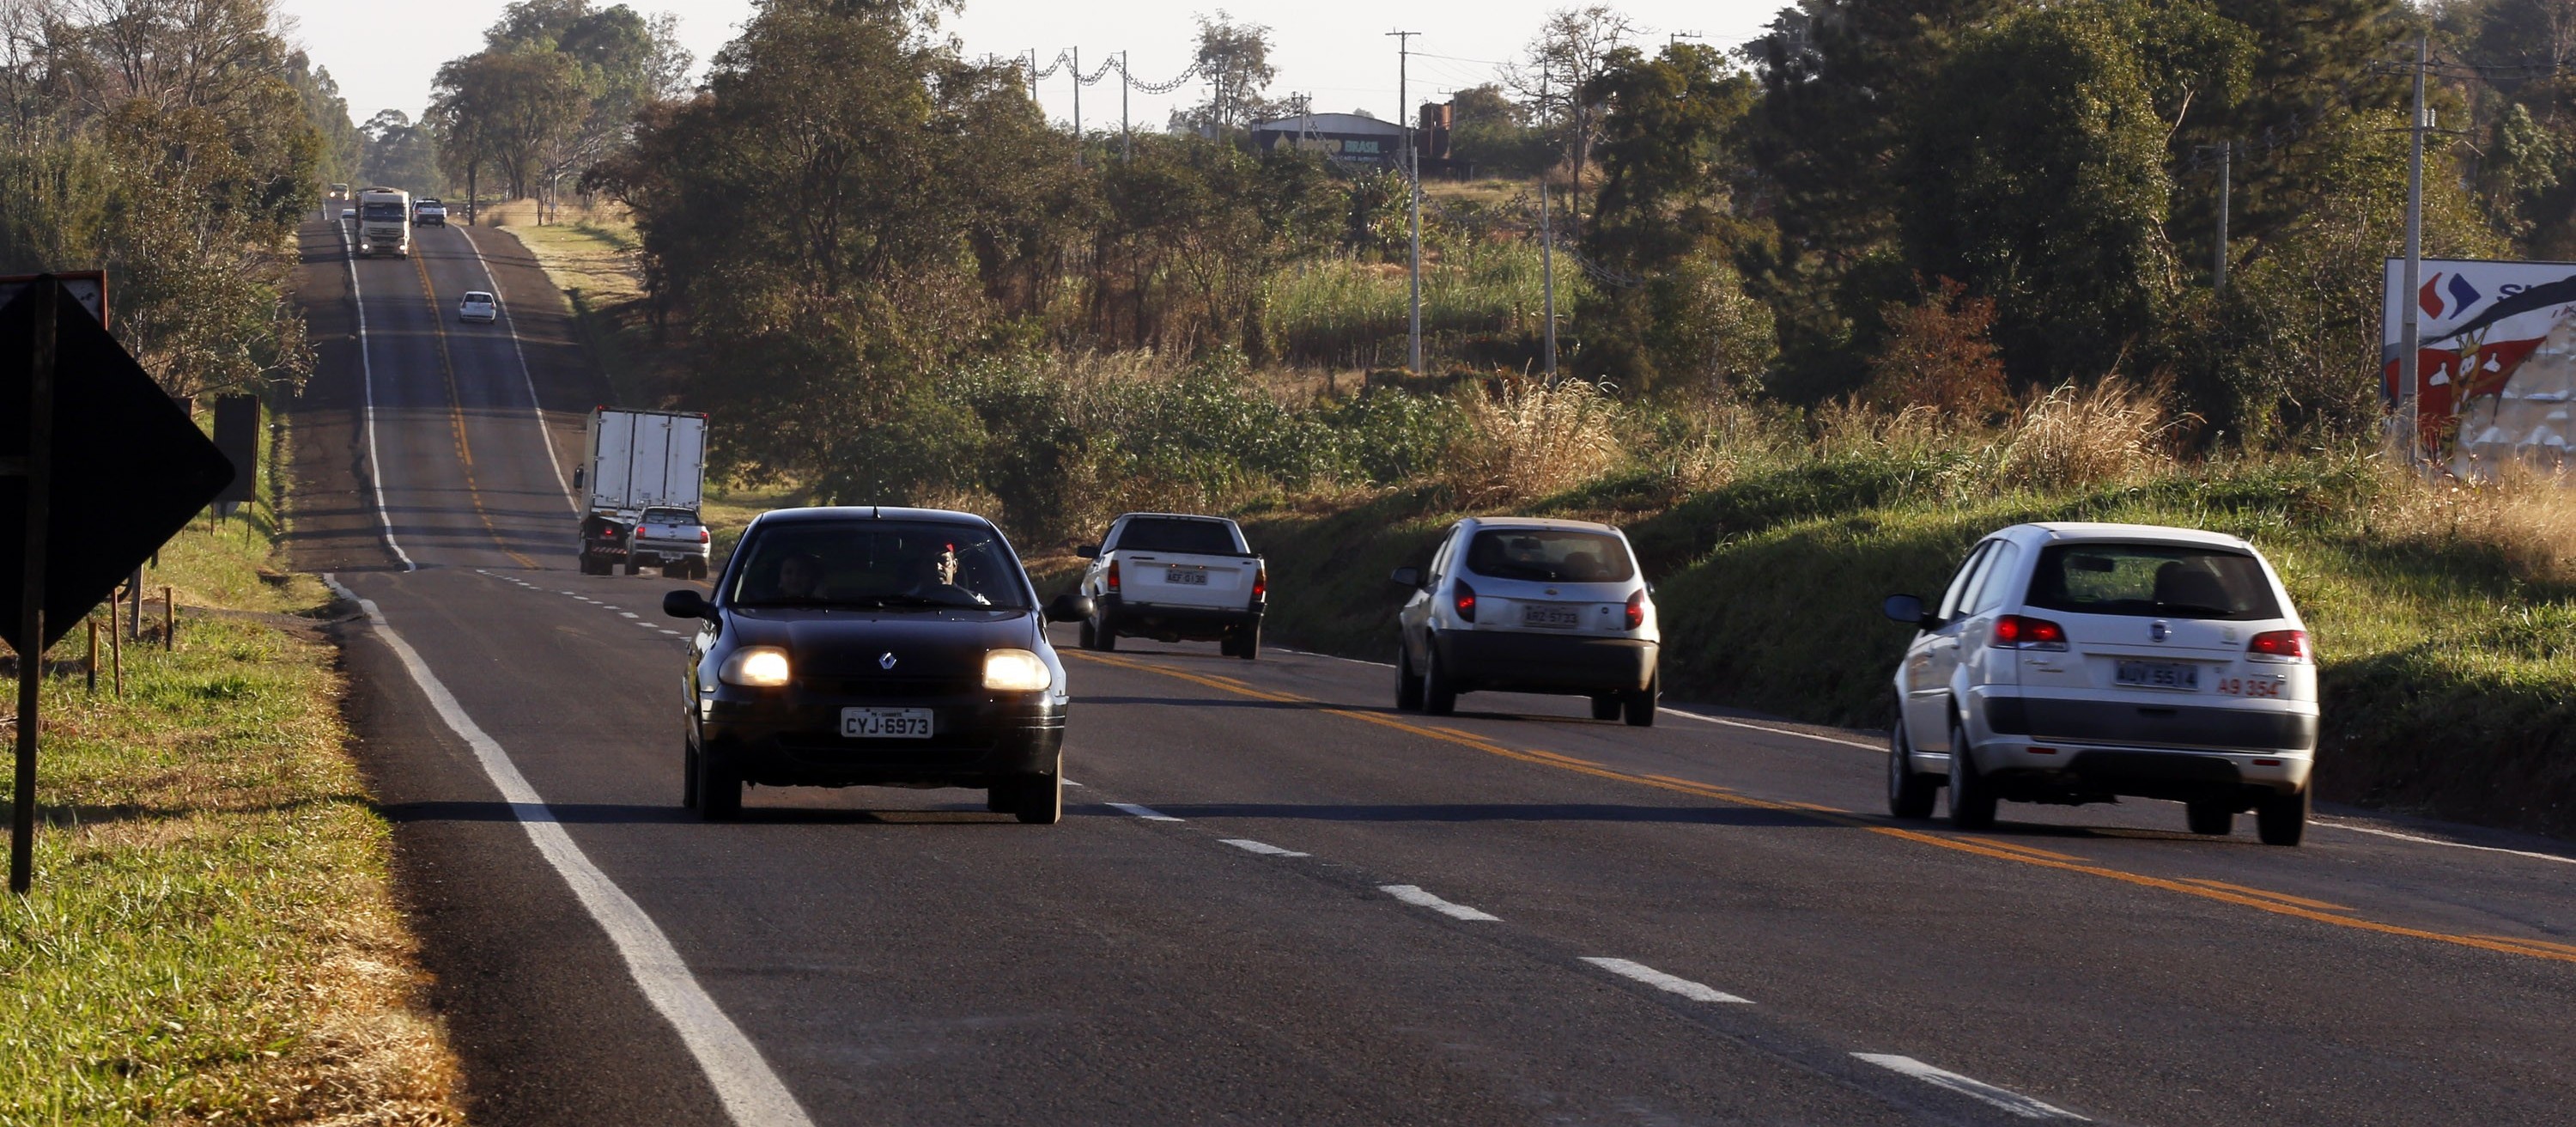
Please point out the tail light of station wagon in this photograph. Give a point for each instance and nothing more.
(2279, 645)
(1637, 609)
(2021, 632)
(1466, 602)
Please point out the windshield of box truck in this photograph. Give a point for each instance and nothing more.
(386, 212)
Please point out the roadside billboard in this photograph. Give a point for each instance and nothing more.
(2496, 359)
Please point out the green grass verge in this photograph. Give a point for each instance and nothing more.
(211, 935)
(2449, 681)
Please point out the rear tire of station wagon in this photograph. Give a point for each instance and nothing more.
(1972, 799)
(2210, 819)
(2282, 819)
(1638, 705)
(1439, 693)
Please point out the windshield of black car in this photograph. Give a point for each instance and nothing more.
(380, 211)
(879, 564)
(2152, 581)
(1177, 534)
(1550, 555)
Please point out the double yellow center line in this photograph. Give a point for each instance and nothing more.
(2276, 903)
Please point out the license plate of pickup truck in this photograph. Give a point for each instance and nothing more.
(1551, 617)
(886, 723)
(2157, 674)
(1187, 576)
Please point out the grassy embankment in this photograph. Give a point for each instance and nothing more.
(211, 936)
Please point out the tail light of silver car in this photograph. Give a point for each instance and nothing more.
(2022, 632)
(2288, 646)
(1465, 600)
(1637, 609)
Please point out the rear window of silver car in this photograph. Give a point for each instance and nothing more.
(1550, 555)
(2152, 581)
(1176, 534)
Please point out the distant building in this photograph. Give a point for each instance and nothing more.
(1356, 139)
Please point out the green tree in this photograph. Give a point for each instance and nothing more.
(1234, 60)
(342, 151)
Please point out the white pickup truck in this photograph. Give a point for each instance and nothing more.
(1168, 577)
(672, 539)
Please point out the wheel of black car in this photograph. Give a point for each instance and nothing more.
(1972, 798)
(2210, 819)
(1039, 800)
(719, 789)
(2282, 819)
(1439, 691)
(1408, 684)
(1639, 704)
(1910, 793)
(688, 776)
(1605, 706)
(1247, 641)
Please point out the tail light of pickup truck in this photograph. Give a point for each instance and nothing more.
(1260, 583)
(702, 536)
(1112, 577)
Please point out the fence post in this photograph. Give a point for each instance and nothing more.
(169, 620)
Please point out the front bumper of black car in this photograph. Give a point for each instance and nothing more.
(792, 736)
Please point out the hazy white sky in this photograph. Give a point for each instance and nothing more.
(1335, 50)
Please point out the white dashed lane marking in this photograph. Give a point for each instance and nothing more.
(2011, 1101)
(1661, 981)
(1413, 894)
(626, 613)
(1263, 848)
(1148, 813)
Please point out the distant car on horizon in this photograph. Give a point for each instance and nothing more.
(2075, 663)
(1528, 605)
(478, 305)
(339, 191)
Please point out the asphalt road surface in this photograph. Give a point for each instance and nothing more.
(1276, 900)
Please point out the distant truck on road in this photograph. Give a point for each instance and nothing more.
(384, 222)
(1171, 576)
(642, 460)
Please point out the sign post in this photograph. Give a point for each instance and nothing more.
(101, 440)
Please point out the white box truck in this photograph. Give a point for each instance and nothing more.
(384, 222)
(638, 460)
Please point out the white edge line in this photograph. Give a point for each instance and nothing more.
(2009, 1100)
(367, 381)
(1261, 847)
(1414, 895)
(752, 1094)
(1148, 813)
(1659, 980)
(2377, 832)
(510, 325)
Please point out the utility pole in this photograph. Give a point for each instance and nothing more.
(1674, 40)
(1126, 139)
(2410, 337)
(1077, 105)
(1546, 245)
(1413, 178)
(2218, 271)
(1033, 75)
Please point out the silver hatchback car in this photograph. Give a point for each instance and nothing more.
(1530, 606)
(2076, 663)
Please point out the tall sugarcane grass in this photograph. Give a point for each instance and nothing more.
(1343, 312)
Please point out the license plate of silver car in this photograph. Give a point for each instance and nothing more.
(1187, 576)
(1551, 617)
(2158, 674)
(886, 723)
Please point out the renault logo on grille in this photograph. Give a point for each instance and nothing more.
(887, 662)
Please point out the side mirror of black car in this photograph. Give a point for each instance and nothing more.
(1088, 551)
(1069, 607)
(1908, 610)
(1406, 577)
(687, 603)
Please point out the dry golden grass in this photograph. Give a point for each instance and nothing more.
(2526, 515)
(1531, 439)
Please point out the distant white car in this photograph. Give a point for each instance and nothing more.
(1171, 576)
(2075, 663)
(477, 305)
(1530, 606)
(348, 213)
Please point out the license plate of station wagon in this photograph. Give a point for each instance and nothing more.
(1551, 617)
(2158, 674)
(886, 723)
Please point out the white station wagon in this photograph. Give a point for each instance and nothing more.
(2076, 663)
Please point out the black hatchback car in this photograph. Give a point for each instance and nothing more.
(874, 647)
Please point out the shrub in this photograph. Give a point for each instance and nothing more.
(1530, 439)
